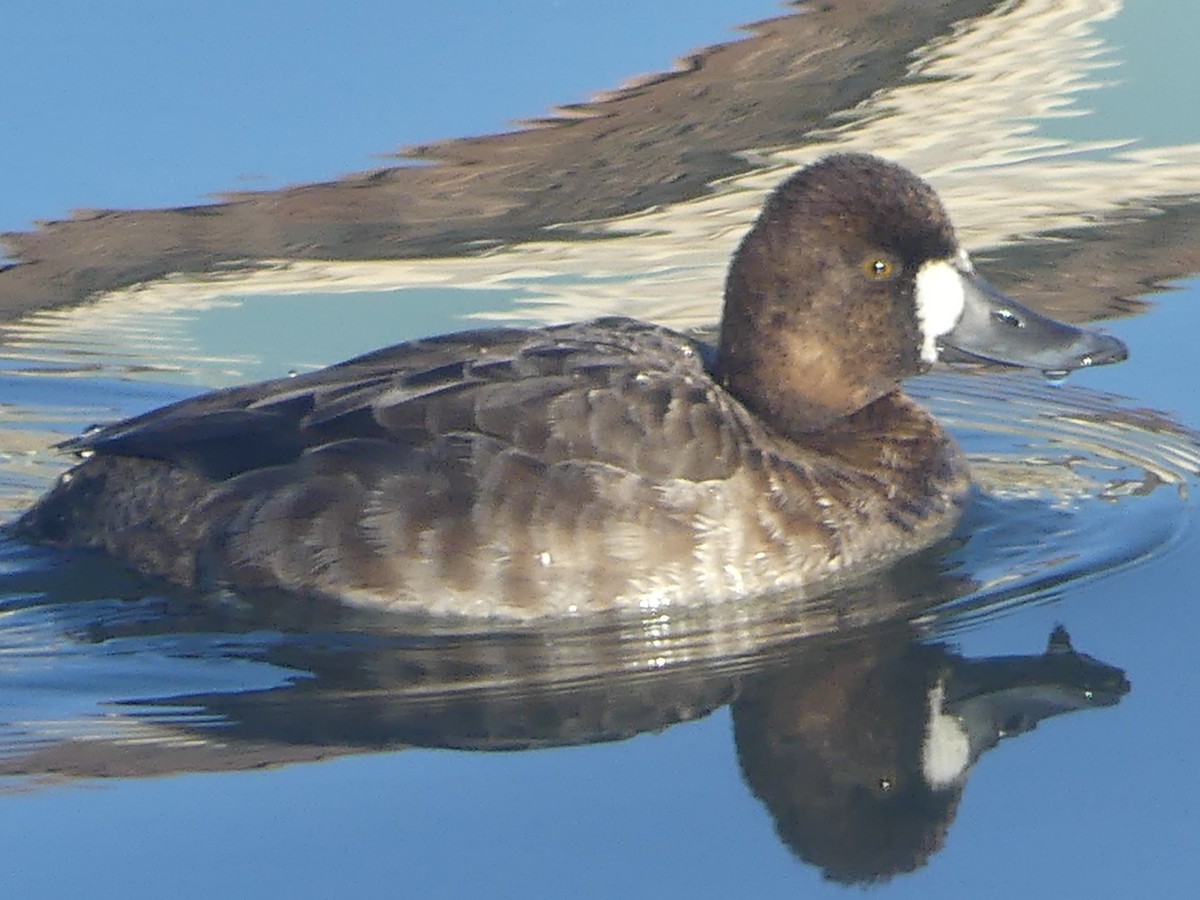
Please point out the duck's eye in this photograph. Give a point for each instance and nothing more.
(880, 268)
(1006, 317)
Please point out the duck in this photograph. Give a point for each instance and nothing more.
(598, 466)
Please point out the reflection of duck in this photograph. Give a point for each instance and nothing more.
(861, 757)
(858, 744)
(604, 464)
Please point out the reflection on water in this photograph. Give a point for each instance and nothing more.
(582, 244)
(861, 754)
(858, 742)
(837, 704)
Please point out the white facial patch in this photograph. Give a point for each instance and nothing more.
(946, 752)
(940, 301)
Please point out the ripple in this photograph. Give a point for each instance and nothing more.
(1071, 484)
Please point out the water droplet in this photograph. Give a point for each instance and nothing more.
(1055, 376)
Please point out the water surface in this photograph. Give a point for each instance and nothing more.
(312, 753)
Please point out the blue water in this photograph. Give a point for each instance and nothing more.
(153, 745)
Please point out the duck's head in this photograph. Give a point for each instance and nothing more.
(851, 280)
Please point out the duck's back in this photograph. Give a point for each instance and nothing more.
(517, 472)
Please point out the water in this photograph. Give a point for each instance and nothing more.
(306, 750)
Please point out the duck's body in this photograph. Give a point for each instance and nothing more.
(610, 464)
(512, 472)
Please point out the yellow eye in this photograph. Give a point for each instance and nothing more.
(880, 268)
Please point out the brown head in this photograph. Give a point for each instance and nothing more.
(852, 280)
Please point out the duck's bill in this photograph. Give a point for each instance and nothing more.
(995, 328)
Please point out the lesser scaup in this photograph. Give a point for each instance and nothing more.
(597, 465)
